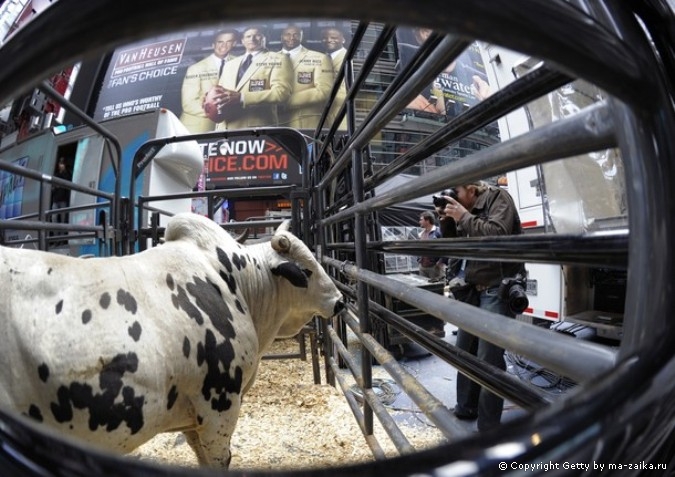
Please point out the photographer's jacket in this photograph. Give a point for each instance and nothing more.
(493, 214)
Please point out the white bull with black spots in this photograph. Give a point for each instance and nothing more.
(116, 350)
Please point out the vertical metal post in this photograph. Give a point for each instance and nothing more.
(44, 205)
(360, 240)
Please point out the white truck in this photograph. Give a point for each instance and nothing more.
(584, 195)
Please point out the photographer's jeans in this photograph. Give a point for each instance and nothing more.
(472, 399)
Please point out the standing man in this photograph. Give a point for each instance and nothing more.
(202, 77)
(334, 43)
(481, 211)
(312, 82)
(431, 267)
(254, 84)
(60, 194)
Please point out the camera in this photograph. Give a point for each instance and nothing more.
(512, 291)
(442, 200)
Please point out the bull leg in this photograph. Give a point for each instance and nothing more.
(215, 445)
(212, 437)
(192, 438)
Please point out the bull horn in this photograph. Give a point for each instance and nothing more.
(281, 243)
(241, 238)
(284, 226)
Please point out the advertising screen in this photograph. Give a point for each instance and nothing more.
(462, 84)
(231, 76)
(247, 161)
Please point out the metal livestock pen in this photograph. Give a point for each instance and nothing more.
(622, 409)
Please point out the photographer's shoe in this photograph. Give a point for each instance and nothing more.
(463, 415)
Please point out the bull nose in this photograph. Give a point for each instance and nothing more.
(339, 306)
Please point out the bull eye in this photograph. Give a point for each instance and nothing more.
(307, 272)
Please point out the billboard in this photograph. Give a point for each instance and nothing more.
(462, 84)
(249, 161)
(231, 76)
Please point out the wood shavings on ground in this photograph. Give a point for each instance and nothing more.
(288, 422)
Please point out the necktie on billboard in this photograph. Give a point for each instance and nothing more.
(243, 67)
(220, 70)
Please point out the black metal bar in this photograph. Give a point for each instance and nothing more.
(116, 159)
(576, 359)
(372, 442)
(41, 225)
(432, 407)
(340, 78)
(498, 381)
(384, 111)
(524, 89)
(593, 250)
(388, 424)
(368, 64)
(39, 176)
(589, 130)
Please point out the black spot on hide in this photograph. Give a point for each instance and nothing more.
(135, 331)
(224, 259)
(105, 300)
(86, 316)
(202, 299)
(239, 261)
(292, 273)
(217, 384)
(171, 398)
(227, 277)
(208, 298)
(231, 282)
(43, 372)
(103, 409)
(127, 300)
(170, 282)
(59, 307)
(186, 347)
(181, 301)
(35, 413)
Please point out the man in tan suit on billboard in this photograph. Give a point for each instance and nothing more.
(312, 82)
(254, 84)
(334, 43)
(201, 77)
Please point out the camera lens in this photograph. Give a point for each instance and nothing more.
(517, 299)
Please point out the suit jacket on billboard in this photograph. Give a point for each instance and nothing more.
(312, 82)
(337, 60)
(199, 79)
(265, 84)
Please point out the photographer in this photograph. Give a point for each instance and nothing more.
(432, 268)
(478, 210)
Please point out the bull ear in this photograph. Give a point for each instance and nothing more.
(294, 249)
(281, 243)
(291, 272)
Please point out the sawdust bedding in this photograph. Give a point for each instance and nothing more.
(288, 422)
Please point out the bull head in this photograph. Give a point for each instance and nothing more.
(302, 270)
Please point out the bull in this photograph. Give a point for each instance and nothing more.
(116, 350)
